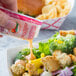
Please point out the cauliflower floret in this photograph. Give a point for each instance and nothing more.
(22, 62)
(51, 63)
(64, 59)
(17, 69)
(26, 74)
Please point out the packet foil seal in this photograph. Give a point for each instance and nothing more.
(25, 26)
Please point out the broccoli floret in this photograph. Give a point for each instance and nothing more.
(74, 71)
(65, 44)
(44, 48)
(21, 55)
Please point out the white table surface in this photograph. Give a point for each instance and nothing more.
(7, 42)
(3, 70)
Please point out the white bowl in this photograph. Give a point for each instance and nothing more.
(9, 57)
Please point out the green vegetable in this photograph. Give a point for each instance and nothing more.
(65, 44)
(44, 48)
(55, 35)
(74, 71)
(37, 53)
(73, 63)
(21, 55)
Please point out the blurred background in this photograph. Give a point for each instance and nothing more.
(70, 23)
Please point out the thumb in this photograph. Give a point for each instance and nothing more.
(9, 4)
(6, 22)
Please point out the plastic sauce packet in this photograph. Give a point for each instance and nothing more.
(25, 27)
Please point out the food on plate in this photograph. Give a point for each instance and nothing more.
(74, 71)
(50, 61)
(64, 33)
(18, 69)
(35, 67)
(45, 73)
(26, 74)
(63, 58)
(73, 58)
(56, 53)
(63, 43)
(55, 57)
(31, 56)
(44, 9)
(22, 62)
(66, 72)
(74, 51)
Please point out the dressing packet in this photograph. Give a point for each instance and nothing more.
(23, 26)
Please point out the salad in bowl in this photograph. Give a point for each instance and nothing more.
(55, 57)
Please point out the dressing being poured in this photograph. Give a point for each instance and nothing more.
(31, 56)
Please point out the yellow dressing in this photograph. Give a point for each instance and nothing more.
(40, 71)
(37, 62)
(42, 55)
(31, 56)
(58, 41)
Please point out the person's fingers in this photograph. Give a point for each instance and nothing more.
(6, 22)
(9, 4)
(3, 18)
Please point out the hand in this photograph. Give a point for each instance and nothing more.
(4, 18)
(9, 4)
(6, 22)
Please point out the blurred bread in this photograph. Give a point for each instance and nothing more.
(30, 7)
